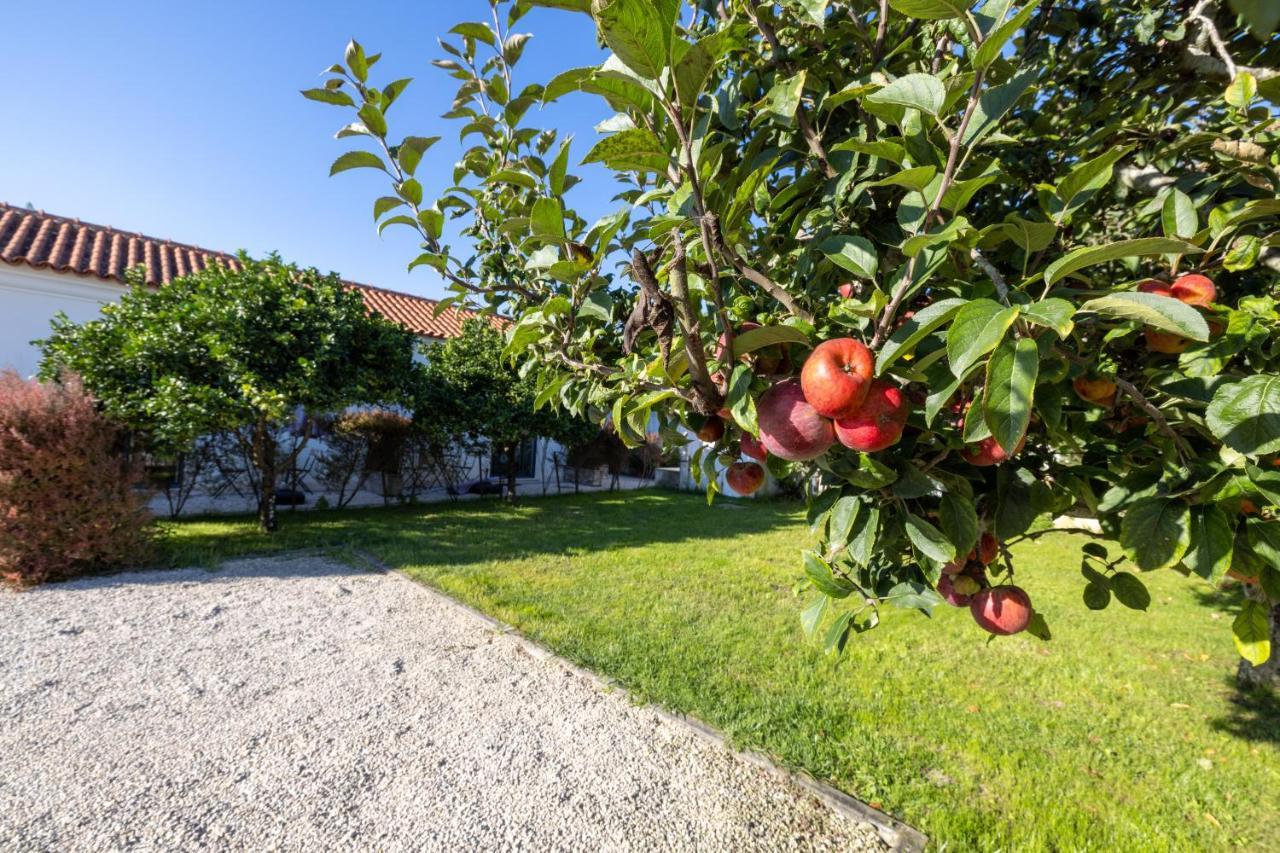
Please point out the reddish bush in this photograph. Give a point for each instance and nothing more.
(68, 501)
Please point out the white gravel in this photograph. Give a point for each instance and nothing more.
(302, 704)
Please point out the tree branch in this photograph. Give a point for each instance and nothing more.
(707, 399)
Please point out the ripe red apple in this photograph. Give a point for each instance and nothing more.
(957, 590)
(837, 376)
(745, 478)
(1166, 342)
(1002, 609)
(752, 447)
(712, 429)
(988, 549)
(1099, 390)
(988, 452)
(878, 422)
(789, 427)
(1194, 289)
(845, 290)
(1248, 507)
(1159, 288)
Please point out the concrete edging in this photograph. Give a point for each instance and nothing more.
(898, 835)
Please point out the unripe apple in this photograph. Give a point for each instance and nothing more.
(878, 422)
(988, 549)
(1166, 342)
(966, 584)
(989, 452)
(836, 376)
(951, 594)
(712, 429)
(1002, 610)
(790, 428)
(745, 478)
(1098, 390)
(1194, 289)
(752, 447)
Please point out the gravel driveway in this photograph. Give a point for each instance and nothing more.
(302, 704)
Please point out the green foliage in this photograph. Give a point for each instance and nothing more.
(999, 181)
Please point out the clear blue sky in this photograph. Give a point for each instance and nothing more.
(184, 121)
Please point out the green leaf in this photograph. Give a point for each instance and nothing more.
(384, 204)
(741, 405)
(356, 160)
(1017, 501)
(699, 60)
(913, 595)
(1152, 309)
(989, 51)
(930, 10)
(977, 329)
(993, 104)
(337, 97)
(1053, 313)
(1262, 16)
(639, 32)
(922, 92)
(1038, 627)
(1097, 595)
(1245, 415)
(959, 521)
(913, 179)
(915, 329)
(477, 31)
(816, 10)
(865, 531)
(1028, 234)
(826, 582)
(511, 176)
(1178, 215)
(1130, 591)
(567, 5)
(410, 151)
(838, 634)
(812, 615)
(1251, 631)
(1212, 544)
(1243, 254)
(843, 515)
(784, 98)
(766, 336)
(1156, 532)
(436, 262)
(929, 540)
(546, 219)
(1011, 385)
(1087, 178)
(852, 253)
(1242, 90)
(631, 150)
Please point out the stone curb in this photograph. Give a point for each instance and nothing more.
(898, 835)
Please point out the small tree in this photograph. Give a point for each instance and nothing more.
(240, 350)
(470, 391)
(69, 501)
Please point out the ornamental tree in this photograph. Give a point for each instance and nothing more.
(471, 393)
(238, 350)
(974, 197)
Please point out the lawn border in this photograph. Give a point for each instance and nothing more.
(900, 836)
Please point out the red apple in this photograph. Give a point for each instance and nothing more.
(1002, 609)
(988, 549)
(989, 452)
(790, 428)
(1099, 390)
(845, 290)
(957, 590)
(1165, 342)
(837, 376)
(745, 478)
(878, 422)
(1248, 507)
(712, 429)
(752, 447)
(1152, 285)
(1194, 289)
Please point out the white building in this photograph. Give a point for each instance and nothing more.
(52, 264)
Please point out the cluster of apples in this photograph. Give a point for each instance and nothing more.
(1004, 609)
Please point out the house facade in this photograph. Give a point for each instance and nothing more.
(54, 263)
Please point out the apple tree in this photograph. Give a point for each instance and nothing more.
(965, 268)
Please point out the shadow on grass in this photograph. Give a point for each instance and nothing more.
(480, 531)
(1254, 714)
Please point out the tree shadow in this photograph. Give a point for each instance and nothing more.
(436, 535)
(1254, 714)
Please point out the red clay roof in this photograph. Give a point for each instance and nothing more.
(45, 241)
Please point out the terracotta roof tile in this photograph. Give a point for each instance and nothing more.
(44, 241)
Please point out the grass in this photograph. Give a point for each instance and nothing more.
(1123, 733)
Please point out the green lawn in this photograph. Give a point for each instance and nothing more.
(1124, 733)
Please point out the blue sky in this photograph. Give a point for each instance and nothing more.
(184, 121)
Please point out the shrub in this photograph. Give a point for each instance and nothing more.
(69, 501)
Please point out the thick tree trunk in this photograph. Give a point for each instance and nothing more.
(1267, 675)
(265, 450)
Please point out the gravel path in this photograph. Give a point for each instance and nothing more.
(302, 704)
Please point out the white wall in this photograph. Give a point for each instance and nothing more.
(28, 300)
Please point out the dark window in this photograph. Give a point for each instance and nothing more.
(525, 455)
